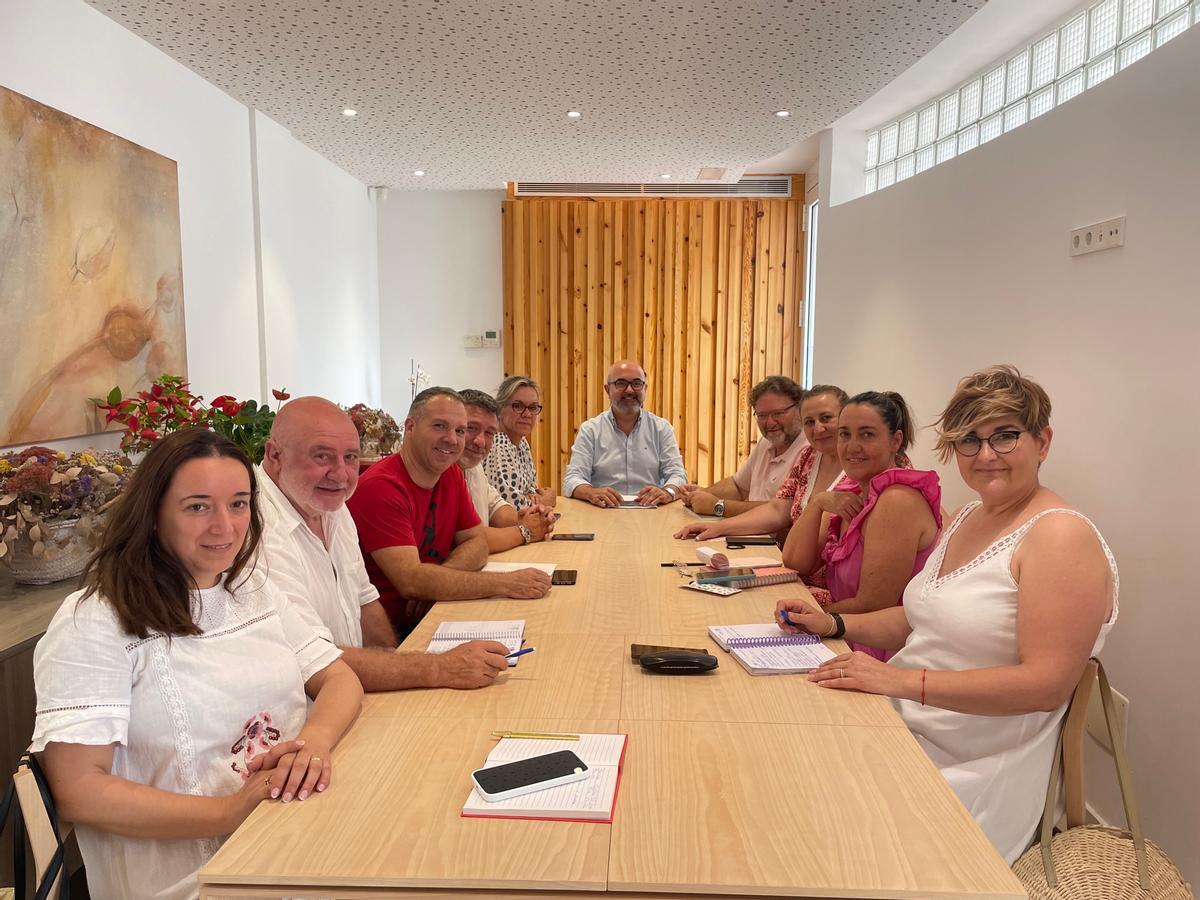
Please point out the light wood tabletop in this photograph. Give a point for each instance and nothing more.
(733, 785)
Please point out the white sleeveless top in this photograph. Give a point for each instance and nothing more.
(967, 619)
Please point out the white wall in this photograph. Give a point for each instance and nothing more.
(440, 278)
(320, 287)
(966, 265)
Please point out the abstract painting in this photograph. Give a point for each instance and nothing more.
(91, 274)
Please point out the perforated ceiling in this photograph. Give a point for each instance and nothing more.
(476, 93)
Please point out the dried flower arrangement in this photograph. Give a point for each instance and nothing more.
(378, 433)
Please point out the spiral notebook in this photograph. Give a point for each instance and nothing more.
(766, 649)
(758, 578)
(450, 634)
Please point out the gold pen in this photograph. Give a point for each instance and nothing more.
(535, 735)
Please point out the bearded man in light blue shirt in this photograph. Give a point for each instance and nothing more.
(625, 455)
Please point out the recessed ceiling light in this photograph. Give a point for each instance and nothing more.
(419, 172)
(664, 176)
(783, 113)
(574, 114)
(349, 113)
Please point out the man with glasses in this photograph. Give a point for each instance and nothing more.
(505, 526)
(626, 454)
(776, 403)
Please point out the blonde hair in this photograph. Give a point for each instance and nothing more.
(989, 394)
(514, 383)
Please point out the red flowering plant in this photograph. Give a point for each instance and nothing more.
(41, 487)
(169, 405)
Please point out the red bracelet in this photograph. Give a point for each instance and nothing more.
(923, 671)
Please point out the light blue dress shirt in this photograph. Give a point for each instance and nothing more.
(604, 456)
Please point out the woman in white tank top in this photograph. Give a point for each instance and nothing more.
(995, 630)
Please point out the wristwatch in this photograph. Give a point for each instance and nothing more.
(672, 490)
(719, 508)
(526, 533)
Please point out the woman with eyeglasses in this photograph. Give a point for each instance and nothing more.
(873, 530)
(996, 628)
(509, 467)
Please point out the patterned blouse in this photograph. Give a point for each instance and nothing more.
(510, 470)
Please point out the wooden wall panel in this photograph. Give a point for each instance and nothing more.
(707, 293)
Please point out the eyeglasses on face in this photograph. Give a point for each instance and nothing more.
(1000, 441)
(624, 384)
(518, 407)
(773, 413)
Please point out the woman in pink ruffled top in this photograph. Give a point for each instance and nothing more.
(874, 530)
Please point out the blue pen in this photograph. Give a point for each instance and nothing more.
(521, 652)
(783, 614)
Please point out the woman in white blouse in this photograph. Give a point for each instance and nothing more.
(171, 689)
(509, 467)
(996, 628)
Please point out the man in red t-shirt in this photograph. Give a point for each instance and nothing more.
(420, 535)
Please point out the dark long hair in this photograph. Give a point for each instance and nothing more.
(895, 414)
(147, 586)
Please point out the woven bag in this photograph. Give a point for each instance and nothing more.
(1094, 862)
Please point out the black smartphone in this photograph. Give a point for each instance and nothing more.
(751, 540)
(637, 651)
(577, 536)
(528, 775)
(563, 576)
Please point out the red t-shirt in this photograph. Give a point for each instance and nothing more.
(392, 510)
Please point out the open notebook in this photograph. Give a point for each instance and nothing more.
(589, 800)
(757, 578)
(497, 566)
(766, 649)
(450, 634)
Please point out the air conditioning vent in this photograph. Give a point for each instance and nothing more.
(779, 186)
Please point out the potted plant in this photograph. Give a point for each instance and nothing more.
(169, 405)
(51, 509)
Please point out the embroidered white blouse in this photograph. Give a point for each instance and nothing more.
(186, 714)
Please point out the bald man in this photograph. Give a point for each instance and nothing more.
(625, 452)
(310, 548)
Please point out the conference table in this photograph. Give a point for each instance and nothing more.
(733, 785)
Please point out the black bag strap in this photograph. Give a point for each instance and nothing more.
(58, 860)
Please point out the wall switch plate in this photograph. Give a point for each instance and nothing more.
(1095, 718)
(472, 341)
(1101, 236)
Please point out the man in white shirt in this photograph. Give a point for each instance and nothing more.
(505, 527)
(776, 404)
(626, 451)
(310, 549)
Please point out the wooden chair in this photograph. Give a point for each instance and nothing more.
(44, 840)
(1074, 729)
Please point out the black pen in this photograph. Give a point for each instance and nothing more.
(668, 565)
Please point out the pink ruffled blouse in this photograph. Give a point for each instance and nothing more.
(844, 555)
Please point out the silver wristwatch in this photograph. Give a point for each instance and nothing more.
(526, 533)
(719, 508)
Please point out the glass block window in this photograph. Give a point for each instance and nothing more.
(947, 149)
(993, 90)
(1070, 86)
(968, 139)
(969, 99)
(1138, 14)
(1135, 50)
(907, 141)
(1041, 102)
(1093, 44)
(1102, 27)
(1101, 69)
(1043, 57)
(1018, 77)
(948, 115)
(1174, 26)
(990, 128)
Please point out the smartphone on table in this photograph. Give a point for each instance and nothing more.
(528, 775)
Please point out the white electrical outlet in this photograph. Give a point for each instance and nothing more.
(472, 341)
(1095, 718)
(1101, 236)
